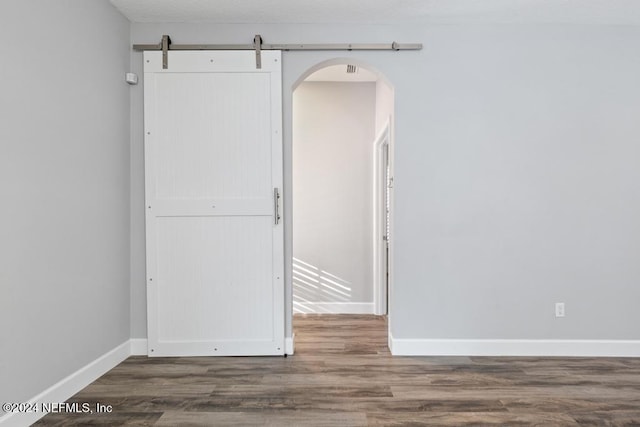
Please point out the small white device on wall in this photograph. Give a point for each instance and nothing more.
(131, 78)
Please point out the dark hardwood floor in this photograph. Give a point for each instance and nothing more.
(343, 375)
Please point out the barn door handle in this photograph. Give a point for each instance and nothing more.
(276, 205)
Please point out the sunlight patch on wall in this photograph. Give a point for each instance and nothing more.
(313, 285)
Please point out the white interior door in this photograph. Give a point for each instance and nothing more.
(213, 164)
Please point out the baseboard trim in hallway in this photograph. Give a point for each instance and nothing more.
(333, 307)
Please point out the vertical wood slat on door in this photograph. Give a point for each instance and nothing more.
(213, 154)
(193, 166)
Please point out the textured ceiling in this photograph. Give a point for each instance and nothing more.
(618, 12)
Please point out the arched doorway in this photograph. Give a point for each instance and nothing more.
(342, 174)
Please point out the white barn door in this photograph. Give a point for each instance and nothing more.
(213, 171)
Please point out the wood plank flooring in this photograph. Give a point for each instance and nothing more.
(343, 375)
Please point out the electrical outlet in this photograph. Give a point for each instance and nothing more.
(559, 309)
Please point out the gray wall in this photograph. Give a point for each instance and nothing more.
(64, 188)
(516, 173)
(333, 134)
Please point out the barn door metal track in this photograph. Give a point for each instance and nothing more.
(165, 46)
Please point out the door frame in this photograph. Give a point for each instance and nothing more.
(381, 257)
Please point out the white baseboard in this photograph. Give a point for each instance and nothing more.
(334, 307)
(568, 348)
(138, 347)
(289, 345)
(69, 386)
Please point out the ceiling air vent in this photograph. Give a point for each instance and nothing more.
(351, 69)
